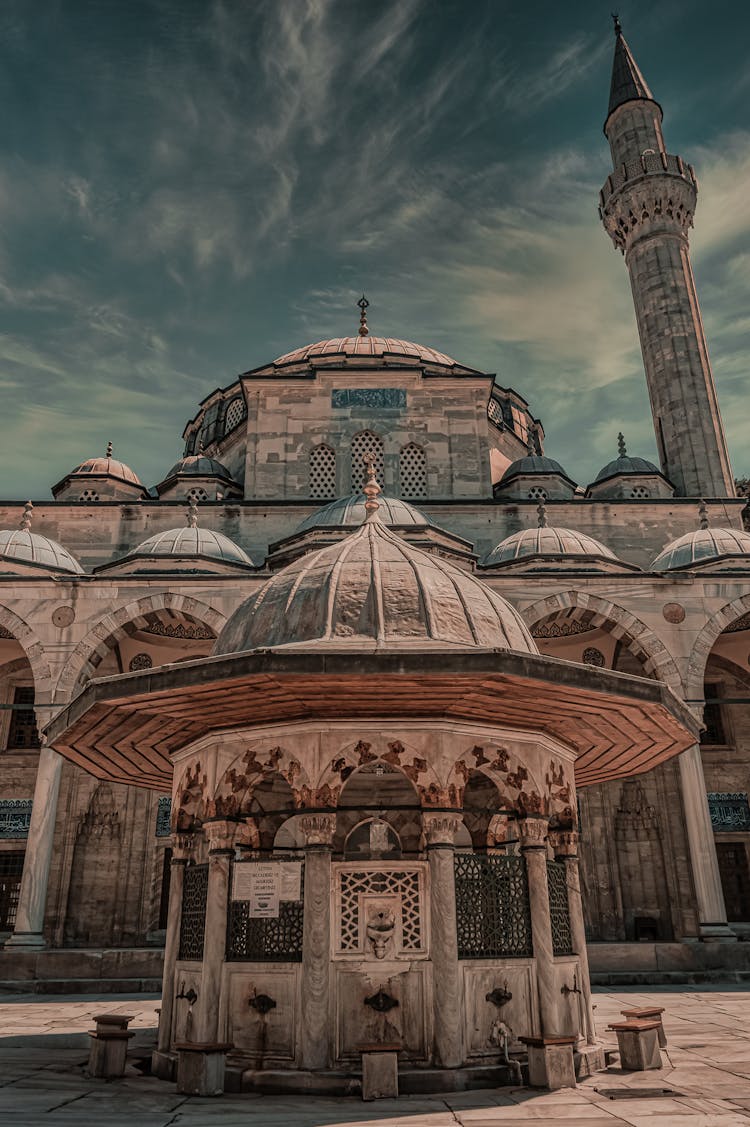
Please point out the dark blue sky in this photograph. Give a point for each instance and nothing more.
(189, 189)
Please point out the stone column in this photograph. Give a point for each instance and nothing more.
(29, 927)
(712, 913)
(533, 837)
(182, 847)
(440, 831)
(315, 1027)
(221, 836)
(565, 846)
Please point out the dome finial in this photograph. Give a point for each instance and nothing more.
(703, 515)
(201, 446)
(542, 515)
(363, 304)
(618, 25)
(28, 509)
(621, 448)
(192, 520)
(109, 449)
(372, 489)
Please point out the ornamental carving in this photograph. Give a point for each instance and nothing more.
(189, 808)
(673, 612)
(236, 788)
(318, 829)
(564, 842)
(440, 829)
(532, 831)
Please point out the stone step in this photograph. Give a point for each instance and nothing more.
(667, 977)
(91, 986)
(411, 1081)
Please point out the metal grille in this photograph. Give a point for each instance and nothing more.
(323, 472)
(193, 920)
(236, 414)
(404, 884)
(164, 816)
(557, 885)
(492, 907)
(366, 443)
(267, 941)
(11, 869)
(23, 730)
(413, 471)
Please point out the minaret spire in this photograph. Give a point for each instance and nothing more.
(647, 207)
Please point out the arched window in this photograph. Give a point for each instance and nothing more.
(235, 414)
(366, 442)
(323, 472)
(413, 471)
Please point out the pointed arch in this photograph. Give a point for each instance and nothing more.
(34, 650)
(638, 638)
(706, 641)
(349, 759)
(101, 638)
(323, 472)
(234, 792)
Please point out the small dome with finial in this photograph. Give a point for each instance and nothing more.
(22, 546)
(625, 464)
(108, 466)
(374, 590)
(706, 546)
(545, 545)
(99, 478)
(190, 542)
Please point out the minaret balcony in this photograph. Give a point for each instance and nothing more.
(654, 195)
(648, 164)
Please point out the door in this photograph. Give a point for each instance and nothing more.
(735, 879)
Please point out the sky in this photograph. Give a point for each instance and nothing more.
(190, 188)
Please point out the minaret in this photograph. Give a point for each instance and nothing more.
(647, 207)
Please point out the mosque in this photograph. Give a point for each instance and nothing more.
(367, 636)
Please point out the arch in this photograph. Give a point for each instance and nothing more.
(345, 762)
(413, 471)
(322, 472)
(33, 648)
(517, 785)
(705, 642)
(366, 442)
(101, 638)
(638, 638)
(236, 788)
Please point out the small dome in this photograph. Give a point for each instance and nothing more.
(533, 464)
(199, 465)
(546, 541)
(106, 467)
(351, 511)
(25, 546)
(701, 545)
(627, 465)
(193, 541)
(366, 346)
(374, 590)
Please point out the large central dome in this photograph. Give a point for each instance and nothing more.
(365, 346)
(374, 590)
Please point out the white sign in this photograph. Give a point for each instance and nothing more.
(264, 884)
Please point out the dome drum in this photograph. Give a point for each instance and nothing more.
(629, 478)
(535, 478)
(99, 479)
(200, 478)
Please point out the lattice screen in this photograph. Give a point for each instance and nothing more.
(366, 442)
(493, 918)
(197, 494)
(356, 885)
(413, 470)
(193, 919)
(236, 413)
(557, 884)
(323, 472)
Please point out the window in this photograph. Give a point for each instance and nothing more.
(89, 495)
(323, 472)
(537, 493)
(11, 868)
(639, 492)
(236, 413)
(520, 423)
(366, 443)
(23, 731)
(413, 471)
(197, 494)
(166, 874)
(140, 661)
(712, 717)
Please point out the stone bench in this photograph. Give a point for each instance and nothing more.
(109, 1046)
(638, 1042)
(652, 1013)
(379, 1070)
(551, 1063)
(201, 1066)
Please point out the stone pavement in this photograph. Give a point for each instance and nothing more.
(43, 1048)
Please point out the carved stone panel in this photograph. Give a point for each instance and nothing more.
(520, 1012)
(380, 910)
(261, 1012)
(408, 1022)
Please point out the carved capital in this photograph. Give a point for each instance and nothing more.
(318, 829)
(248, 835)
(222, 835)
(440, 829)
(564, 842)
(532, 831)
(183, 846)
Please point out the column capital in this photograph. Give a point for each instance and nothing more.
(222, 835)
(440, 829)
(564, 842)
(533, 830)
(319, 829)
(183, 846)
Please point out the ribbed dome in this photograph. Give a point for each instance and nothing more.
(193, 541)
(627, 465)
(109, 467)
(374, 590)
(199, 465)
(30, 547)
(366, 346)
(351, 510)
(533, 464)
(701, 545)
(547, 541)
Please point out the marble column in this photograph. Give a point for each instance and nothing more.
(182, 847)
(565, 846)
(221, 837)
(533, 837)
(315, 1024)
(440, 831)
(712, 913)
(29, 926)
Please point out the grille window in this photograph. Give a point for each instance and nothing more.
(366, 442)
(236, 414)
(323, 473)
(712, 717)
(11, 868)
(23, 731)
(413, 467)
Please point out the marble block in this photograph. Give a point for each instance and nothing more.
(379, 1071)
(551, 1062)
(200, 1068)
(638, 1042)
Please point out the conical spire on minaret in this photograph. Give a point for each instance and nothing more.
(628, 84)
